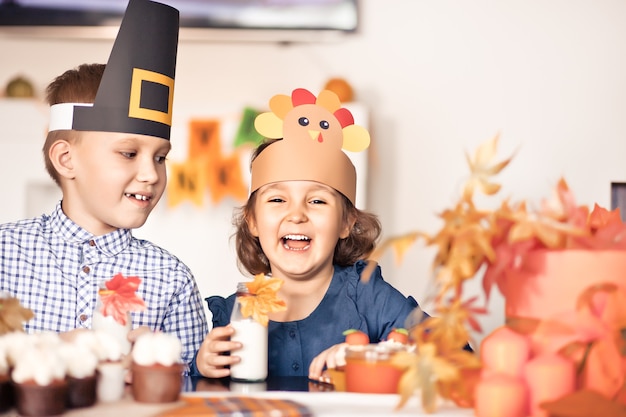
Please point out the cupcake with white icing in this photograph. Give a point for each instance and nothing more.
(6, 389)
(15, 344)
(39, 381)
(110, 369)
(156, 368)
(80, 365)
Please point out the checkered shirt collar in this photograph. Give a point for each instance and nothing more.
(111, 244)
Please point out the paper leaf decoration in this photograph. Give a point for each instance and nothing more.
(263, 299)
(119, 297)
(13, 315)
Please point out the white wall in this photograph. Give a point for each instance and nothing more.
(439, 77)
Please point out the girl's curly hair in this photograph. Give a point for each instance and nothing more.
(358, 245)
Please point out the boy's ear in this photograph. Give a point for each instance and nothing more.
(61, 157)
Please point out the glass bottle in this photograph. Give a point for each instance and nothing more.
(109, 325)
(253, 337)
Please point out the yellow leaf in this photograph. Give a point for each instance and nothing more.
(263, 299)
(481, 170)
(402, 244)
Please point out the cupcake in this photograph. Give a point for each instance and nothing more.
(110, 368)
(15, 343)
(12, 317)
(6, 389)
(80, 366)
(39, 382)
(156, 368)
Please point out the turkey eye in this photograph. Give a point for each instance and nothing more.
(324, 124)
(303, 121)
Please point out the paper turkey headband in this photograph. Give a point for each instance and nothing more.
(313, 132)
(137, 88)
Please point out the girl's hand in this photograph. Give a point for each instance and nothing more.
(210, 359)
(331, 358)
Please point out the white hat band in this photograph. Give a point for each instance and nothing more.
(62, 115)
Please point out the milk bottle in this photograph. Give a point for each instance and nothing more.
(253, 337)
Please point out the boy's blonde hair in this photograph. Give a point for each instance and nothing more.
(78, 85)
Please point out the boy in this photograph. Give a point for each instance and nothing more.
(106, 147)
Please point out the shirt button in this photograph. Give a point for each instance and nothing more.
(83, 317)
(86, 269)
(92, 243)
(295, 366)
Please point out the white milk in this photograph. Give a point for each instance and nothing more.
(253, 337)
(109, 325)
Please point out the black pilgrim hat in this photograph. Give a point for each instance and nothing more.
(137, 88)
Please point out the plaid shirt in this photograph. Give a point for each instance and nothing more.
(54, 267)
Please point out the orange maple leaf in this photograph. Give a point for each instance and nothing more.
(263, 298)
(422, 371)
(447, 328)
(481, 169)
(120, 297)
(607, 230)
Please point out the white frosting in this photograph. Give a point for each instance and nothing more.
(372, 350)
(47, 339)
(15, 343)
(4, 362)
(393, 344)
(153, 348)
(80, 361)
(102, 344)
(42, 364)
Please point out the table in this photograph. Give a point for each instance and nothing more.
(319, 398)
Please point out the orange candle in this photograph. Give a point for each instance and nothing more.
(548, 376)
(505, 351)
(500, 395)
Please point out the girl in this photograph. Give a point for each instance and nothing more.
(300, 225)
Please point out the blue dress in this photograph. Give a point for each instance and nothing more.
(374, 307)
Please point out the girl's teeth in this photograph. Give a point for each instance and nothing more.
(296, 237)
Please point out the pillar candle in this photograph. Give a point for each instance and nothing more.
(505, 351)
(549, 376)
(500, 395)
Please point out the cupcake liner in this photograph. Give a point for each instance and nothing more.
(81, 392)
(40, 400)
(156, 383)
(6, 393)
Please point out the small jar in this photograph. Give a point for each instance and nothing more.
(109, 325)
(253, 337)
(369, 369)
